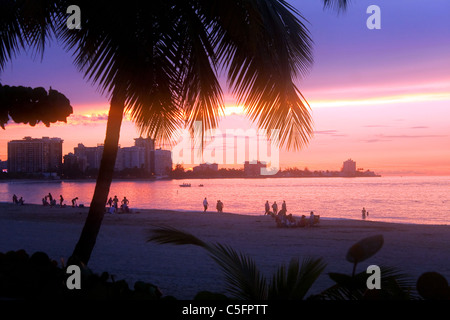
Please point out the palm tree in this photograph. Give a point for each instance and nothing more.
(160, 63)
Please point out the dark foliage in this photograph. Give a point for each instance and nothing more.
(37, 277)
(32, 105)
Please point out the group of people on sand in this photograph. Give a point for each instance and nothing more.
(114, 205)
(219, 205)
(18, 201)
(49, 200)
(274, 211)
(288, 220)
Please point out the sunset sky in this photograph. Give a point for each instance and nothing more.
(380, 97)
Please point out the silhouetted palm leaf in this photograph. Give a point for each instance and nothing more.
(244, 281)
(395, 285)
(364, 249)
(295, 281)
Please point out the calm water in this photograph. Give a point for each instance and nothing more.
(423, 200)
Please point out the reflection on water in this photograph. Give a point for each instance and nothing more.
(394, 199)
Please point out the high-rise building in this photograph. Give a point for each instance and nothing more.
(91, 156)
(32, 155)
(349, 168)
(148, 146)
(162, 162)
(253, 168)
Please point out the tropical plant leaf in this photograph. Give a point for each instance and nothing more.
(295, 281)
(365, 248)
(433, 286)
(338, 5)
(244, 280)
(395, 285)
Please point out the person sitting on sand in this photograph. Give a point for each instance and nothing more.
(20, 201)
(290, 221)
(302, 221)
(44, 201)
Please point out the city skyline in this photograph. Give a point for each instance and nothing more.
(375, 95)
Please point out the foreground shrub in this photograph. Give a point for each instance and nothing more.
(38, 277)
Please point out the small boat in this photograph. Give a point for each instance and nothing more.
(185, 185)
(200, 185)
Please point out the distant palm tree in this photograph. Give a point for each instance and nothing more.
(160, 63)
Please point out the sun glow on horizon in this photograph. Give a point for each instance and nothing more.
(405, 98)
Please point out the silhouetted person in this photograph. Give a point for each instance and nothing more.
(363, 213)
(116, 202)
(15, 199)
(74, 202)
(21, 201)
(124, 205)
(283, 206)
(275, 207)
(267, 207)
(61, 200)
(311, 218)
(219, 206)
(205, 205)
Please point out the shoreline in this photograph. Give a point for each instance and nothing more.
(181, 271)
(174, 211)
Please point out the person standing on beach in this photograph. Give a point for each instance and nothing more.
(61, 200)
(15, 201)
(74, 202)
(116, 202)
(219, 206)
(275, 208)
(283, 206)
(267, 207)
(205, 205)
(363, 212)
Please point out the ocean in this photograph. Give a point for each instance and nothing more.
(417, 200)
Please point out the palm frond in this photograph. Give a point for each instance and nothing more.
(338, 5)
(167, 234)
(395, 285)
(295, 281)
(265, 47)
(244, 280)
(26, 24)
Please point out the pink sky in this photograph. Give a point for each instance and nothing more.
(380, 97)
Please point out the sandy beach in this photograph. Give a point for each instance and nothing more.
(182, 271)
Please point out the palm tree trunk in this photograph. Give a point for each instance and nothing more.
(88, 237)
